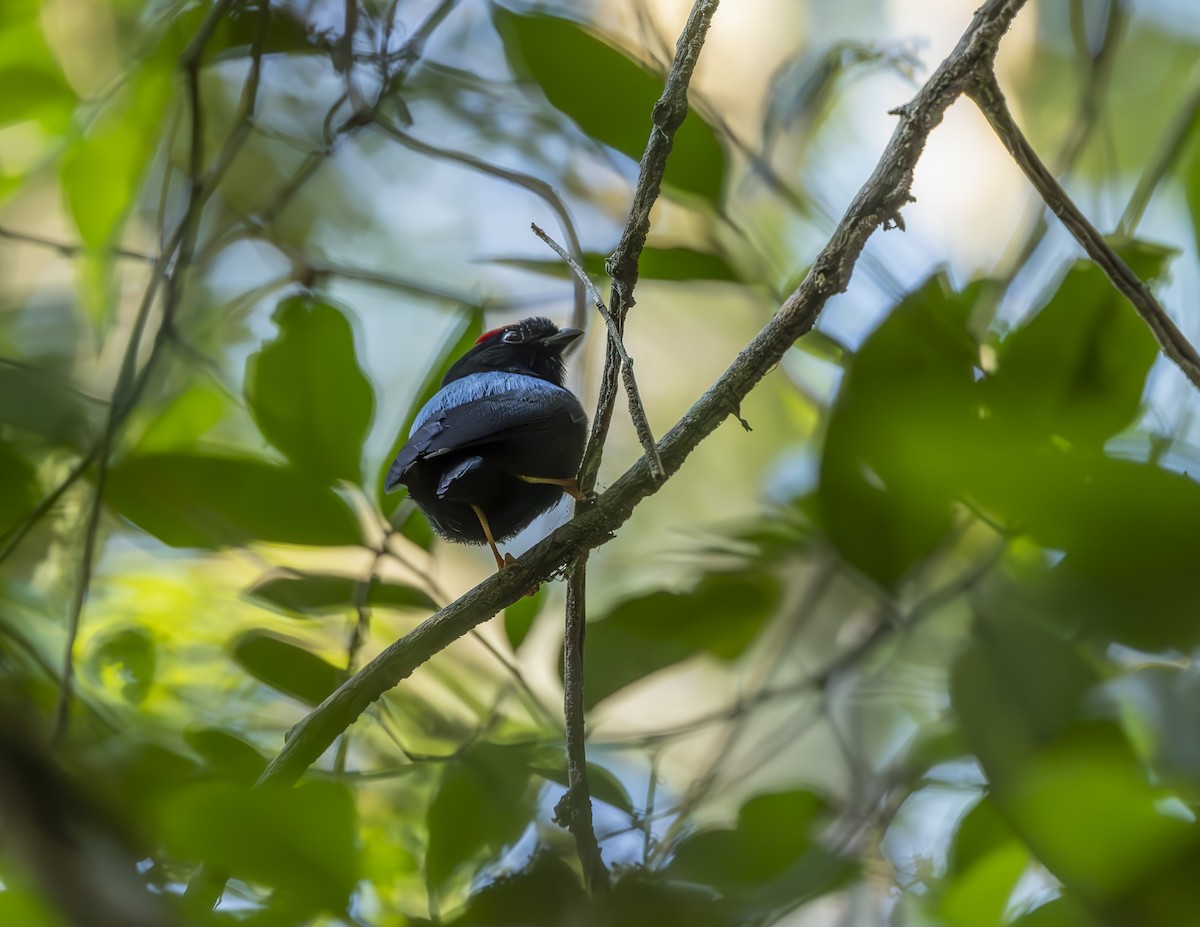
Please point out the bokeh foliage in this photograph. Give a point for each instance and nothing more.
(942, 672)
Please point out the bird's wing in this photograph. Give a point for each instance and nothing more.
(483, 420)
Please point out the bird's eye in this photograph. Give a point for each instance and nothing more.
(512, 336)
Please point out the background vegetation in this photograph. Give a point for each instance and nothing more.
(918, 649)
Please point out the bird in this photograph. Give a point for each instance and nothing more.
(500, 442)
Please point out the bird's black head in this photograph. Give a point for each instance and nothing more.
(533, 347)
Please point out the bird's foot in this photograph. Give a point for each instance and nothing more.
(511, 561)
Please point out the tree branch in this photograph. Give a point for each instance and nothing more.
(622, 264)
(986, 93)
(877, 203)
(574, 809)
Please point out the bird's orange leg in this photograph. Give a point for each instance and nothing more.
(569, 486)
(501, 562)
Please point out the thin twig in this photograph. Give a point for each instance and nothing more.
(574, 809)
(69, 250)
(986, 93)
(622, 265)
(637, 411)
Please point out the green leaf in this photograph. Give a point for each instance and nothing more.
(1087, 810)
(889, 469)
(985, 864)
(546, 893)
(461, 339)
(564, 60)
(103, 171)
(772, 832)
(481, 805)
(226, 754)
(323, 593)
(674, 264)
(519, 617)
(308, 393)
(124, 660)
(1018, 686)
(25, 908)
(34, 85)
(43, 403)
(981, 895)
(1126, 529)
(191, 500)
(1077, 368)
(287, 666)
(298, 841)
(183, 421)
(770, 858)
(18, 486)
(1068, 785)
(1059, 912)
(720, 616)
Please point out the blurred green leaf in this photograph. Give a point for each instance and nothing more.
(1077, 368)
(675, 264)
(1126, 529)
(1068, 785)
(770, 858)
(1160, 712)
(985, 863)
(888, 473)
(124, 659)
(482, 804)
(25, 909)
(1087, 810)
(34, 86)
(225, 754)
(103, 171)
(43, 403)
(547, 893)
(298, 841)
(18, 485)
(1017, 687)
(772, 832)
(1058, 912)
(981, 832)
(185, 419)
(720, 616)
(192, 500)
(321, 593)
(981, 895)
(462, 337)
(287, 666)
(564, 60)
(308, 393)
(519, 617)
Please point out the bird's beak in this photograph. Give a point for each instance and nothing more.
(563, 339)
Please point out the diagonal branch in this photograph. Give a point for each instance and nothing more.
(877, 203)
(990, 99)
